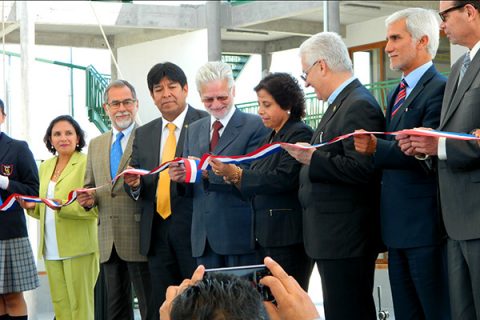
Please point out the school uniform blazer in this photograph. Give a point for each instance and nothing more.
(220, 213)
(16, 163)
(76, 227)
(339, 190)
(459, 175)
(410, 216)
(118, 213)
(271, 184)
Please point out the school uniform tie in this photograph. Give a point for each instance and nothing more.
(217, 125)
(163, 187)
(116, 154)
(400, 99)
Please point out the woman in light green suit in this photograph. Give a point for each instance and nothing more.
(68, 236)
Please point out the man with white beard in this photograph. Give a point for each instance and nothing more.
(118, 214)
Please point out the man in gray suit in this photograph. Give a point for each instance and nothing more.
(459, 161)
(222, 219)
(119, 215)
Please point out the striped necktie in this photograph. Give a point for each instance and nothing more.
(466, 63)
(402, 93)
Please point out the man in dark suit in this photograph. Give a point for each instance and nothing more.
(339, 189)
(410, 217)
(166, 214)
(119, 215)
(222, 228)
(458, 161)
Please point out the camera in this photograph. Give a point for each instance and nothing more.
(251, 273)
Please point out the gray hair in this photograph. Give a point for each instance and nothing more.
(212, 71)
(119, 84)
(330, 47)
(420, 22)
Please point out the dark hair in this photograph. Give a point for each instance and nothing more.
(2, 108)
(119, 84)
(475, 4)
(76, 126)
(166, 69)
(218, 296)
(287, 93)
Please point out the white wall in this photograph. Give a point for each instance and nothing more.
(366, 32)
(189, 51)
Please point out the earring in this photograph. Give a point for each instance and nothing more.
(78, 145)
(288, 112)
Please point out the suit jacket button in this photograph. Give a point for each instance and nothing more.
(113, 195)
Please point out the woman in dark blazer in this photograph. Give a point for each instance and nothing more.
(271, 183)
(18, 273)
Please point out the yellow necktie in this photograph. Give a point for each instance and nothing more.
(163, 187)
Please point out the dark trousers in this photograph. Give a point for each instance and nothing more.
(347, 286)
(170, 258)
(119, 277)
(464, 278)
(293, 259)
(211, 259)
(418, 278)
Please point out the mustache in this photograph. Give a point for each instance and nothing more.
(124, 113)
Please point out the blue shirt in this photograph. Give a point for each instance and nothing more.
(413, 77)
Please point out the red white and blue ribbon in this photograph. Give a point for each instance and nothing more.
(193, 168)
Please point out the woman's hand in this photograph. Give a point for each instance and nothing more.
(25, 204)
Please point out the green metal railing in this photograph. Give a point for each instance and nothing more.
(95, 87)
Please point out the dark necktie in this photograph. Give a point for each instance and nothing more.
(402, 93)
(217, 125)
(466, 63)
(116, 154)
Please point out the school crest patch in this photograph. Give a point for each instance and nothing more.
(6, 169)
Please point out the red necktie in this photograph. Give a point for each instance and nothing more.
(217, 125)
(402, 93)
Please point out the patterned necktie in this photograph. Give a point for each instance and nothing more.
(116, 154)
(466, 63)
(217, 125)
(163, 187)
(402, 93)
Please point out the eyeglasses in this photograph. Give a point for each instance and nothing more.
(221, 99)
(304, 75)
(443, 14)
(127, 103)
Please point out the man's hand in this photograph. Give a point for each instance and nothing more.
(366, 143)
(174, 291)
(425, 145)
(304, 156)
(293, 303)
(177, 172)
(405, 144)
(86, 198)
(133, 180)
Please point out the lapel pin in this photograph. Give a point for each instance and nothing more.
(334, 108)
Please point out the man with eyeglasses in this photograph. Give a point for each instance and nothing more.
(222, 229)
(457, 162)
(339, 188)
(166, 217)
(119, 215)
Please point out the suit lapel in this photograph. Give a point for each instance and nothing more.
(230, 133)
(411, 97)
(125, 156)
(4, 146)
(68, 168)
(332, 110)
(458, 94)
(189, 118)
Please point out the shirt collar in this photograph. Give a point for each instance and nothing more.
(474, 50)
(178, 121)
(225, 119)
(339, 89)
(413, 77)
(126, 132)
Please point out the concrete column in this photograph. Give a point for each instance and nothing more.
(331, 16)
(266, 63)
(27, 59)
(214, 31)
(113, 66)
